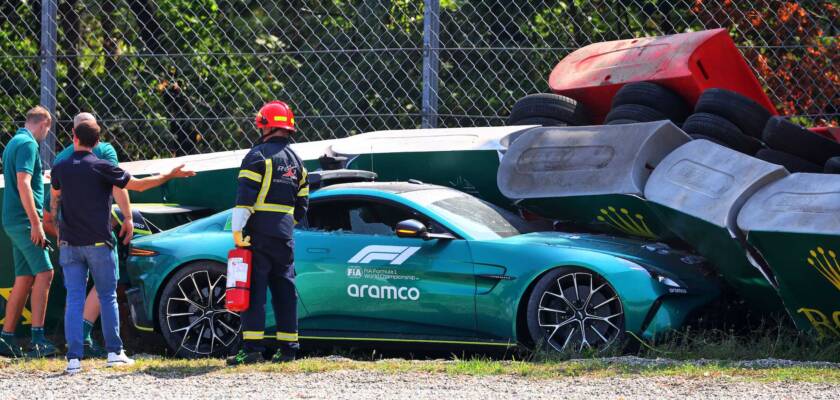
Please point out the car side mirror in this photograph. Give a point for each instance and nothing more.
(412, 228)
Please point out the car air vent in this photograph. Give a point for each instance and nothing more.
(329, 163)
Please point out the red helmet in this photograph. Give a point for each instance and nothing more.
(276, 114)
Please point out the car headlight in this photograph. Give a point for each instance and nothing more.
(672, 285)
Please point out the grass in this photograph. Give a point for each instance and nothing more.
(479, 366)
(685, 354)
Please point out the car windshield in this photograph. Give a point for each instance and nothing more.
(479, 219)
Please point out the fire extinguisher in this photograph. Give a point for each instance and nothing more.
(237, 295)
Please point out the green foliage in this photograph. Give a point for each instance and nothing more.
(349, 66)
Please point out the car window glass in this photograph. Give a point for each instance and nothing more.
(361, 217)
(480, 219)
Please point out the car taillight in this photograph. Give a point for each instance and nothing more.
(136, 251)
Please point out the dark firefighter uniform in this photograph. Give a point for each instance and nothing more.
(273, 186)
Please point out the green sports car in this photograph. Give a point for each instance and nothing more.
(420, 264)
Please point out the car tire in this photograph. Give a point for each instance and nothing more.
(543, 121)
(655, 96)
(832, 166)
(781, 134)
(742, 111)
(622, 122)
(554, 297)
(192, 302)
(791, 162)
(548, 105)
(634, 112)
(721, 129)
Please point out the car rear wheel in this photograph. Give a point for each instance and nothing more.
(572, 309)
(192, 313)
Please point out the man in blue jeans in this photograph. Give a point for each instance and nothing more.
(81, 191)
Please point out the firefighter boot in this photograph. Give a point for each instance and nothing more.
(243, 358)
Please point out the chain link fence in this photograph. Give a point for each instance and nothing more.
(172, 77)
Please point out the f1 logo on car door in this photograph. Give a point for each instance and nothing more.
(395, 254)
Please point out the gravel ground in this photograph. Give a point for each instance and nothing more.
(101, 384)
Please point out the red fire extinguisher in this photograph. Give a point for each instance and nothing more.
(237, 296)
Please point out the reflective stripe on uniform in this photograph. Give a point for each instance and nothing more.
(303, 192)
(261, 204)
(278, 208)
(252, 335)
(303, 175)
(244, 173)
(287, 336)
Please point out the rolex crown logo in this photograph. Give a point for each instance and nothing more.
(825, 262)
(624, 221)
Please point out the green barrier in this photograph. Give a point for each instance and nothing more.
(698, 191)
(795, 224)
(591, 176)
(466, 159)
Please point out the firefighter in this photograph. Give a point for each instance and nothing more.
(272, 195)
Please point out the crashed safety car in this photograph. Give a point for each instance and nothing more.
(422, 265)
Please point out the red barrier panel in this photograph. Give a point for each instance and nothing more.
(831, 132)
(687, 63)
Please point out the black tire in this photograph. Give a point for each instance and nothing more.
(742, 111)
(721, 129)
(622, 122)
(791, 162)
(654, 96)
(209, 333)
(555, 309)
(781, 134)
(832, 166)
(548, 105)
(634, 112)
(709, 138)
(541, 121)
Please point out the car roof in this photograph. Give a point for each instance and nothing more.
(389, 187)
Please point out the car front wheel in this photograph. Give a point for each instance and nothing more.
(192, 313)
(572, 309)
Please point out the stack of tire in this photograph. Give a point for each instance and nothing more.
(548, 109)
(646, 102)
(729, 119)
(798, 149)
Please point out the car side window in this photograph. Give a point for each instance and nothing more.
(360, 217)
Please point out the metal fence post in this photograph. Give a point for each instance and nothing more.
(431, 28)
(49, 12)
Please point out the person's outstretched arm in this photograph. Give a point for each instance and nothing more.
(140, 185)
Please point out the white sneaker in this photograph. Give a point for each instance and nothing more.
(73, 366)
(117, 360)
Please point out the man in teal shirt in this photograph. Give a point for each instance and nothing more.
(103, 151)
(23, 200)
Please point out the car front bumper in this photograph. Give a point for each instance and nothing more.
(137, 307)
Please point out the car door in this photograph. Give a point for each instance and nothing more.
(363, 279)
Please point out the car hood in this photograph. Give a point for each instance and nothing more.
(655, 257)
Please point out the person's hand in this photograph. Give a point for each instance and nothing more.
(37, 235)
(180, 172)
(240, 241)
(127, 230)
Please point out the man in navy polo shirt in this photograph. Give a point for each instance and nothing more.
(103, 151)
(81, 191)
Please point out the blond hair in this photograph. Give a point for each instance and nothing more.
(37, 114)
